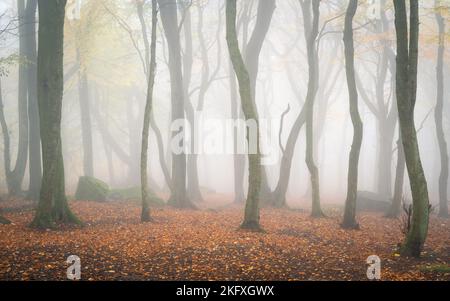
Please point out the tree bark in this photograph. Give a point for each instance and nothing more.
(145, 215)
(169, 19)
(352, 184)
(251, 216)
(395, 208)
(52, 207)
(312, 27)
(239, 160)
(252, 53)
(18, 173)
(85, 115)
(406, 86)
(35, 164)
(443, 150)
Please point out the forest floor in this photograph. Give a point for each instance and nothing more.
(207, 245)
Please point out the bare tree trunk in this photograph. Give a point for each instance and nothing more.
(443, 177)
(311, 33)
(85, 115)
(145, 215)
(407, 61)
(395, 208)
(252, 53)
(18, 173)
(52, 207)
(238, 159)
(352, 185)
(6, 139)
(35, 164)
(251, 216)
(169, 19)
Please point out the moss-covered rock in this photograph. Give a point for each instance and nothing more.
(134, 194)
(91, 189)
(4, 221)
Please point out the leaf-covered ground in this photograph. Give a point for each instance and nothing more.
(206, 245)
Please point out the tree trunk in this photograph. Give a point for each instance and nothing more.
(169, 19)
(145, 215)
(407, 61)
(395, 208)
(17, 175)
(52, 205)
(238, 159)
(443, 177)
(35, 164)
(6, 139)
(352, 185)
(311, 33)
(252, 53)
(85, 115)
(193, 186)
(251, 217)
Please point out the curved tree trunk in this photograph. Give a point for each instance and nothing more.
(252, 53)
(169, 19)
(238, 159)
(18, 173)
(251, 217)
(35, 164)
(352, 185)
(407, 61)
(145, 215)
(395, 208)
(443, 177)
(311, 33)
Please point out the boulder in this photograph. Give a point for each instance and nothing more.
(91, 189)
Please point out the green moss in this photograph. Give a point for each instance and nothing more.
(436, 268)
(91, 189)
(134, 194)
(4, 221)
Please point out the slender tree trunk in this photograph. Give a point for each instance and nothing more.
(251, 216)
(386, 137)
(169, 19)
(6, 139)
(18, 173)
(407, 61)
(395, 208)
(85, 115)
(145, 216)
(311, 36)
(443, 177)
(252, 53)
(279, 194)
(352, 185)
(52, 205)
(154, 126)
(238, 159)
(193, 186)
(35, 164)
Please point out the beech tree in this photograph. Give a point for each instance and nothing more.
(438, 115)
(52, 207)
(169, 19)
(145, 216)
(406, 87)
(352, 185)
(251, 216)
